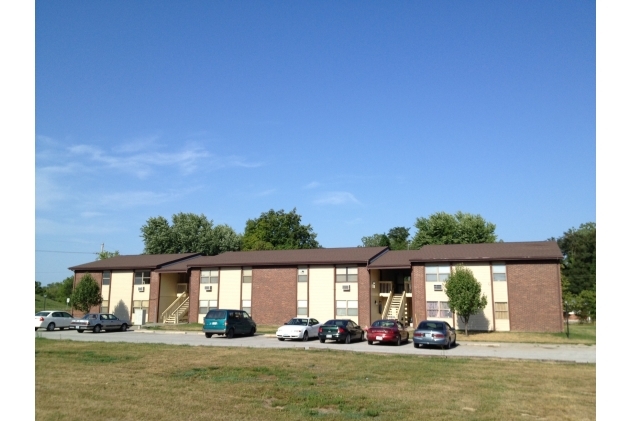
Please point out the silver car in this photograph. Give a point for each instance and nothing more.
(434, 332)
(96, 322)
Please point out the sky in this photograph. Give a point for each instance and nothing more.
(363, 116)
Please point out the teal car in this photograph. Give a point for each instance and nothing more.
(228, 323)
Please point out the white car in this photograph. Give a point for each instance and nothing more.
(50, 319)
(299, 328)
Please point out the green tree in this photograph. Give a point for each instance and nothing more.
(107, 254)
(579, 263)
(277, 230)
(188, 233)
(460, 228)
(376, 240)
(38, 288)
(465, 295)
(86, 295)
(398, 237)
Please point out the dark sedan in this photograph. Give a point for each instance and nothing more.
(387, 331)
(431, 332)
(341, 330)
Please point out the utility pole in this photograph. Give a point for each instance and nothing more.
(102, 247)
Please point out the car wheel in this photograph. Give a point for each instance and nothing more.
(230, 334)
(124, 327)
(398, 341)
(51, 326)
(97, 329)
(252, 331)
(36, 329)
(348, 339)
(369, 342)
(305, 337)
(281, 339)
(454, 340)
(61, 328)
(208, 335)
(321, 340)
(80, 330)
(417, 345)
(362, 338)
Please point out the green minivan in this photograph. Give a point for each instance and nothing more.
(228, 323)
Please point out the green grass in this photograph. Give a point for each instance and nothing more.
(580, 334)
(166, 382)
(50, 304)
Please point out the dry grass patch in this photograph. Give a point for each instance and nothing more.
(75, 380)
(582, 334)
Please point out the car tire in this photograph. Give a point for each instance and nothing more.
(348, 339)
(80, 330)
(305, 337)
(252, 332)
(97, 329)
(208, 335)
(398, 340)
(417, 345)
(51, 326)
(321, 340)
(123, 327)
(281, 339)
(61, 328)
(362, 338)
(369, 342)
(230, 334)
(36, 329)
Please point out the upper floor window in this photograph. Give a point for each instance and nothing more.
(303, 274)
(247, 275)
(210, 276)
(499, 271)
(142, 277)
(107, 276)
(346, 274)
(436, 273)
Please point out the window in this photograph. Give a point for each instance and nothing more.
(210, 276)
(139, 304)
(346, 308)
(499, 272)
(105, 306)
(142, 278)
(438, 309)
(432, 309)
(444, 309)
(302, 308)
(501, 311)
(206, 305)
(247, 275)
(107, 275)
(246, 305)
(346, 274)
(435, 273)
(303, 274)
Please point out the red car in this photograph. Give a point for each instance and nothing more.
(387, 331)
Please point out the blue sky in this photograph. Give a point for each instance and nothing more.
(361, 115)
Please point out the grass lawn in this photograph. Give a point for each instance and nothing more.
(50, 304)
(75, 380)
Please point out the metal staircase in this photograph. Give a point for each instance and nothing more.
(178, 310)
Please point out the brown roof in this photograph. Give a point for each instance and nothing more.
(394, 259)
(348, 255)
(533, 250)
(178, 267)
(135, 261)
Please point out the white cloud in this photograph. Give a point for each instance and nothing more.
(336, 198)
(312, 185)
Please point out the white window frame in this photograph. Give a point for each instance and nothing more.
(501, 312)
(499, 269)
(143, 279)
(303, 274)
(209, 276)
(206, 305)
(246, 305)
(246, 276)
(346, 274)
(437, 273)
(302, 308)
(347, 308)
(108, 278)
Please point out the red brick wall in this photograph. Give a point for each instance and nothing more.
(418, 294)
(98, 277)
(154, 297)
(363, 295)
(193, 288)
(274, 292)
(534, 297)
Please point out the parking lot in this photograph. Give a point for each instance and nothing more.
(541, 352)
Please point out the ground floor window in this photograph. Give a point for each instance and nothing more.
(246, 305)
(105, 306)
(438, 309)
(302, 308)
(140, 304)
(206, 305)
(501, 311)
(346, 308)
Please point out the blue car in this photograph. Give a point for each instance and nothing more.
(228, 323)
(433, 332)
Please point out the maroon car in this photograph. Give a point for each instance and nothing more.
(387, 331)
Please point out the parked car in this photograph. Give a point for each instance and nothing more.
(341, 330)
(96, 322)
(228, 323)
(299, 328)
(51, 319)
(387, 331)
(432, 332)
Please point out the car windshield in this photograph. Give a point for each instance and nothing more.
(216, 314)
(298, 322)
(337, 322)
(383, 323)
(90, 316)
(430, 326)
(43, 313)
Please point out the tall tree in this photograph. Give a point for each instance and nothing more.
(86, 295)
(188, 233)
(398, 237)
(579, 264)
(277, 230)
(38, 288)
(465, 295)
(107, 254)
(376, 240)
(460, 228)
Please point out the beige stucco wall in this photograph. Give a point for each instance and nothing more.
(105, 292)
(246, 292)
(483, 320)
(351, 295)
(230, 288)
(500, 295)
(121, 286)
(303, 291)
(168, 291)
(440, 296)
(321, 292)
(207, 295)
